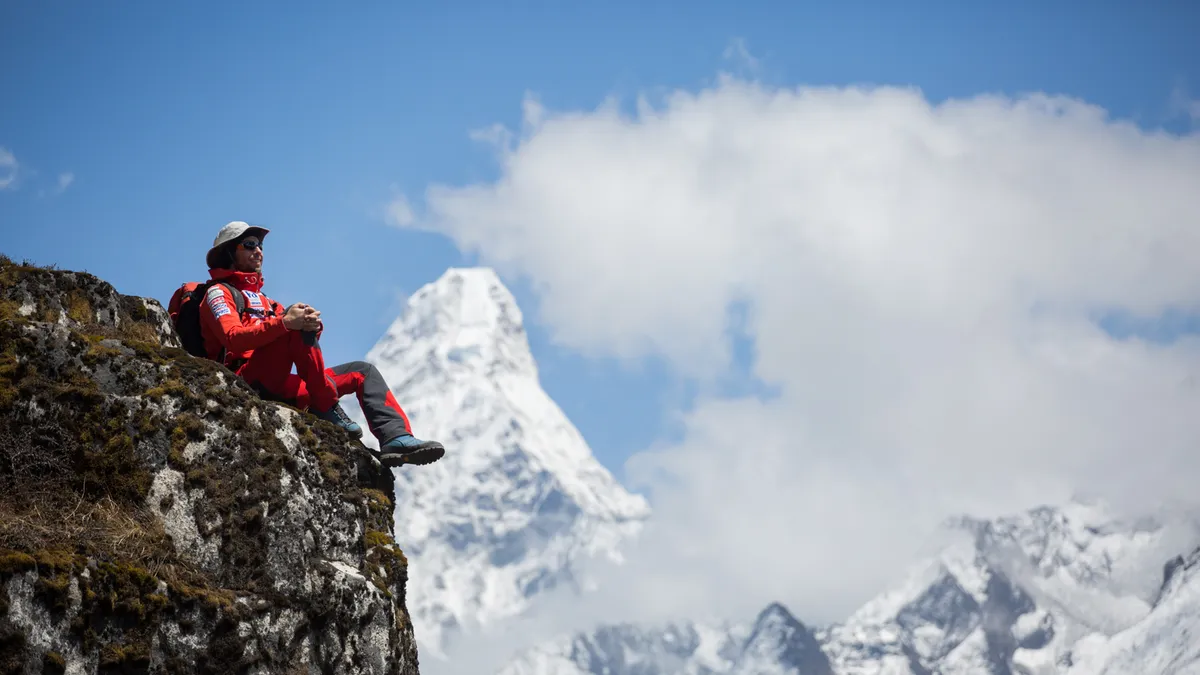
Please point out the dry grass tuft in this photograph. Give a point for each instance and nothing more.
(39, 521)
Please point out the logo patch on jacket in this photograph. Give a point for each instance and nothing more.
(215, 299)
(256, 308)
(254, 298)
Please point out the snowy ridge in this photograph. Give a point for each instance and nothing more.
(1166, 641)
(780, 645)
(683, 648)
(776, 644)
(1069, 590)
(518, 499)
(1013, 594)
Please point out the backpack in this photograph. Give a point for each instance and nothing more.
(184, 309)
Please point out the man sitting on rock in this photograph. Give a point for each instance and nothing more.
(265, 342)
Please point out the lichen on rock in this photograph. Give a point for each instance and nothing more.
(158, 516)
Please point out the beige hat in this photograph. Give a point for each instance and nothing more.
(230, 232)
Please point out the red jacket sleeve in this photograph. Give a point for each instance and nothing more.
(220, 314)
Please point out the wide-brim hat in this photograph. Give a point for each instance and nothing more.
(231, 232)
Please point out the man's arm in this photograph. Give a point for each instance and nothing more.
(220, 313)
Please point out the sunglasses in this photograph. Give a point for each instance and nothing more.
(250, 244)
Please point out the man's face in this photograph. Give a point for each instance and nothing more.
(248, 255)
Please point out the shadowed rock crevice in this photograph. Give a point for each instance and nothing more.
(157, 516)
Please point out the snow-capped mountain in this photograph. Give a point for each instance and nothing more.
(1052, 590)
(519, 499)
(775, 644)
(780, 645)
(1013, 594)
(682, 648)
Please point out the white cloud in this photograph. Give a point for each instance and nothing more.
(923, 282)
(8, 169)
(399, 212)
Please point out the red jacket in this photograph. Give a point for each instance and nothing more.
(223, 329)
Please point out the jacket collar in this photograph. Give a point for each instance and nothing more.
(243, 281)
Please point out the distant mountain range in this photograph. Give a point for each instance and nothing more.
(1067, 590)
(519, 503)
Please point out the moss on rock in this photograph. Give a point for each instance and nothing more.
(53, 663)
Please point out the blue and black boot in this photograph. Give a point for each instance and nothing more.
(407, 449)
(339, 417)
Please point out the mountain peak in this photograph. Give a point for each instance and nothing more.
(779, 643)
(477, 293)
(775, 614)
(466, 322)
(519, 502)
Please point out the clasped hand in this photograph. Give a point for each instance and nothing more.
(302, 317)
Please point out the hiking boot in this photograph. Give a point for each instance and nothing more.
(407, 449)
(339, 417)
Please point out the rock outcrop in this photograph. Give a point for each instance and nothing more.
(158, 516)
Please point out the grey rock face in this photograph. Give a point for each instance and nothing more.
(157, 516)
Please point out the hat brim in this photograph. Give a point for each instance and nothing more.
(211, 258)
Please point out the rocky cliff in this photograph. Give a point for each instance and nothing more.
(157, 516)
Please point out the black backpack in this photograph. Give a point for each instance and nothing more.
(184, 309)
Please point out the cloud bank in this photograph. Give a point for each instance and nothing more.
(924, 282)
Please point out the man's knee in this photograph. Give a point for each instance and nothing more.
(353, 367)
(300, 341)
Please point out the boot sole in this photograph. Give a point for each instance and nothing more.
(426, 455)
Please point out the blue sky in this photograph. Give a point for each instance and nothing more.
(172, 120)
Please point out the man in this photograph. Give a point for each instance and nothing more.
(265, 343)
